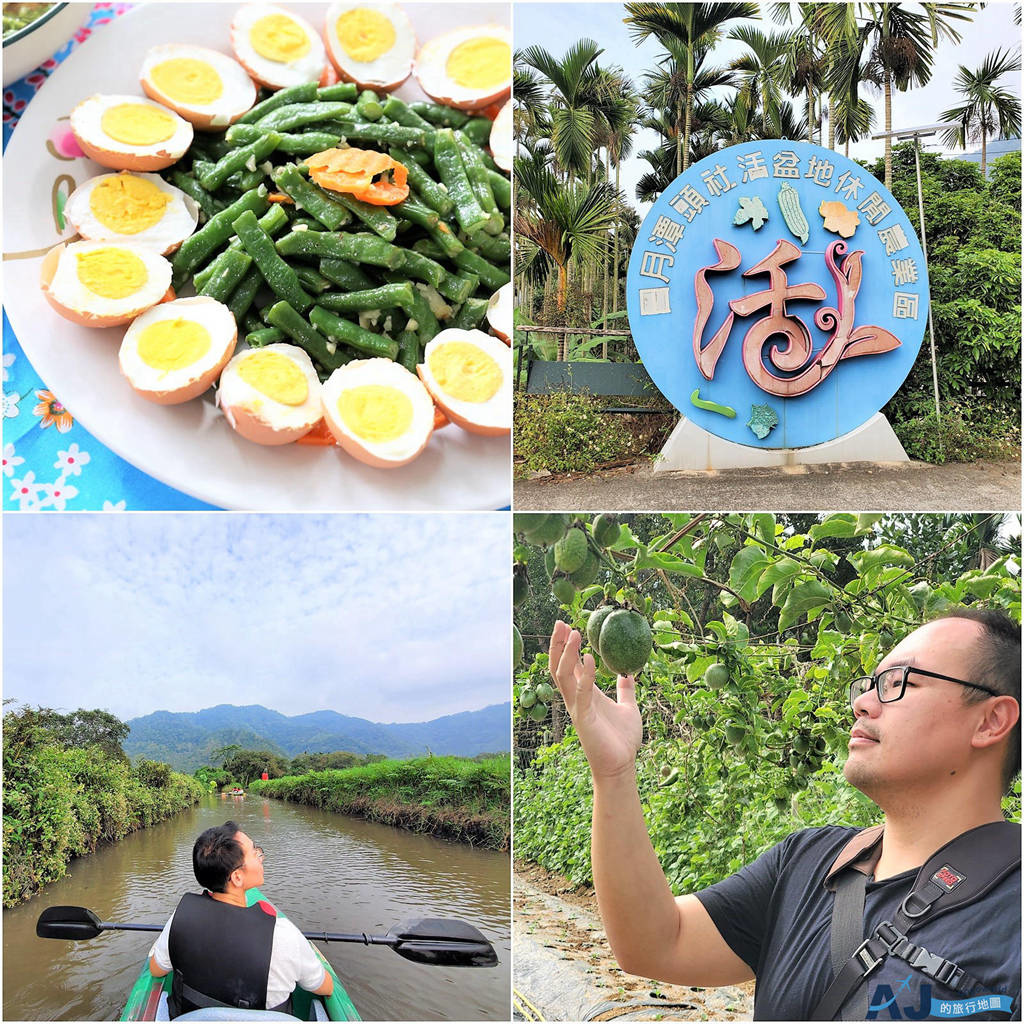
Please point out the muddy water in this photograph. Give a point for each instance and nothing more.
(326, 871)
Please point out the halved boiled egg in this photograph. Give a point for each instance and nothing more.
(271, 395)
(468, 68)
(501, 138)
(207, 88)
(378, 412)
(499, 313)
(103, 284)
(129, 133)
(277, 48)
(371, 43)
(175, 351)
(126, 207)
(469, 375)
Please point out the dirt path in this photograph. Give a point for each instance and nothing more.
(911, 486)
(564, 969)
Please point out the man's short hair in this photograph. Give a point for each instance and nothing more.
(215, 855)
(998, 667)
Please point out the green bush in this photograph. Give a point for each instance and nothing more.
(565, 433)
(987, 435)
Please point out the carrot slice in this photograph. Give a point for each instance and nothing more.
(319, 435)
(440, 420)
(361, 173)
(279, 197)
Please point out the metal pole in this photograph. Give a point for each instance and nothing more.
(924, 248)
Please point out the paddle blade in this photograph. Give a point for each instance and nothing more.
(443, 943)
(68, 923)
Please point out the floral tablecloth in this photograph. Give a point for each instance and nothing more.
(49, 460)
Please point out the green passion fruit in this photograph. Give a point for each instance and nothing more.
(734, 733)
(517, 645)
(562, 588)
(594, 623)
(538, 712)
(545, 692)
(549, 562)
(571, 550)
(520, 584)
(549, 529)
(586, 573)
(716, 676)
(606, 530)
(625, 642)
(527, 697)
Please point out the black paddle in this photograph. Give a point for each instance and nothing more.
(440, 943)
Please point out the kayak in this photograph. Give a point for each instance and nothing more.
(148, 997)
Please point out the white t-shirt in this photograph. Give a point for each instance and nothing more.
(293, 961)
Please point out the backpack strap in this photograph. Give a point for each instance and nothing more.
(962, 871)
(848, 933)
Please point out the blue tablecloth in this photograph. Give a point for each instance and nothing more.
(49, 460)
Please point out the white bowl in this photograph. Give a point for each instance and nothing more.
(39, 40)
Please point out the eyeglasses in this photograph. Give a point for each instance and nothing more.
(258, 850)
(891, 683)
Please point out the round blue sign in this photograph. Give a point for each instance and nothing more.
(777, 294)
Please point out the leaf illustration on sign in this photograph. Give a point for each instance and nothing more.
(751, 210)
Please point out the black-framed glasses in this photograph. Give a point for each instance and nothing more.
(258, 850)
(890, 684)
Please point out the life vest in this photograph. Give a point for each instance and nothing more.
(957, 874)
(221, 955)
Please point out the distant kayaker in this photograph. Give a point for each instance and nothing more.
(224, 953)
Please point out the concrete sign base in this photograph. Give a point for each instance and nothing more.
(691, 447)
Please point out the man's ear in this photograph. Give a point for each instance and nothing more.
(1001, 715)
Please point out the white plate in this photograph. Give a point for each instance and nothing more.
(190, 446)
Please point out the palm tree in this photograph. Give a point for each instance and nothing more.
(530, 115)
(763, 71)
(989, 109)
(684, 30)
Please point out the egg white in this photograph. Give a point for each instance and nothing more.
(307, 68)
(501, 138)
(87, 127)
(499, 312)
(388, 70)
(235, 393)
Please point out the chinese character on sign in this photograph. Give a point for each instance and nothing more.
(804, 369)
(904, 271)
(653, 265)
(820, 170)
(904, 306)
(716, 181)
(849, 186)
(786, 164)
(689, 202)
(752, 165)
(875, 208)
(653, 301)
(668, 231)
(894, 239)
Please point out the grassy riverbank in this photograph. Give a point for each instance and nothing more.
(452, 797)
(61, 803)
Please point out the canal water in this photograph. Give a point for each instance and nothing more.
(325, 871)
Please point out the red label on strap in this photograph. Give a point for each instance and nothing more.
(947, 878)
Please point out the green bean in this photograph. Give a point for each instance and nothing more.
(243, 296)
(360, 248)
(265, 336)
(242, 181)
(297, 114)
(304, 93)
(421, 156)
(422, 315)
(496, 248)
(477, 174)
(401, 113)
(409, 350)
(443, 117)
(274, 221)
(383, 132)
(232, 268)
(470, 315)
(251, 322)
(490, 276)
(448, 162)
(336, 329)
(284, 316)
(200, 277)
(245, 156)
(209, 147)
(501, 186)
(477, 130)
(278, 274)
(458, 288)
(417, 212)
(346, 274)
(368, 106)
(311, 198)
(378, 219)
(339, 92)
(428, 189)
(387, 296)
(305, 144)
(423, 267)
(430, 248)
(216, 231)
(311, 280)
(446, 240)
(200, 165)
(188, 184)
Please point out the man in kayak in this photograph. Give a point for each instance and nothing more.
(935, 743)
(224, 953)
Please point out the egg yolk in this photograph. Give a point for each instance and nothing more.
(187, 80)
(277, 37)
(173, 344)
(111, 273)
(375, 412)
(465, 371)
(136, 124)
(275, 376)
(126, 204)
(480, 63)
(364, 34)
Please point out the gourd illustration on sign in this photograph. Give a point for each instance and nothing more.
(777, 294)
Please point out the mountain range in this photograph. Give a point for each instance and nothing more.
(185, 740)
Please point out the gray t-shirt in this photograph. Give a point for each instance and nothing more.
(776, 916)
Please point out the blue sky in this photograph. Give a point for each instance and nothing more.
(394, 618)
(556, 26)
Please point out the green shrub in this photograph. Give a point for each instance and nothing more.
(986, 435)
(565, 433)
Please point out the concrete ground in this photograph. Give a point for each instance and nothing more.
(854, 486)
